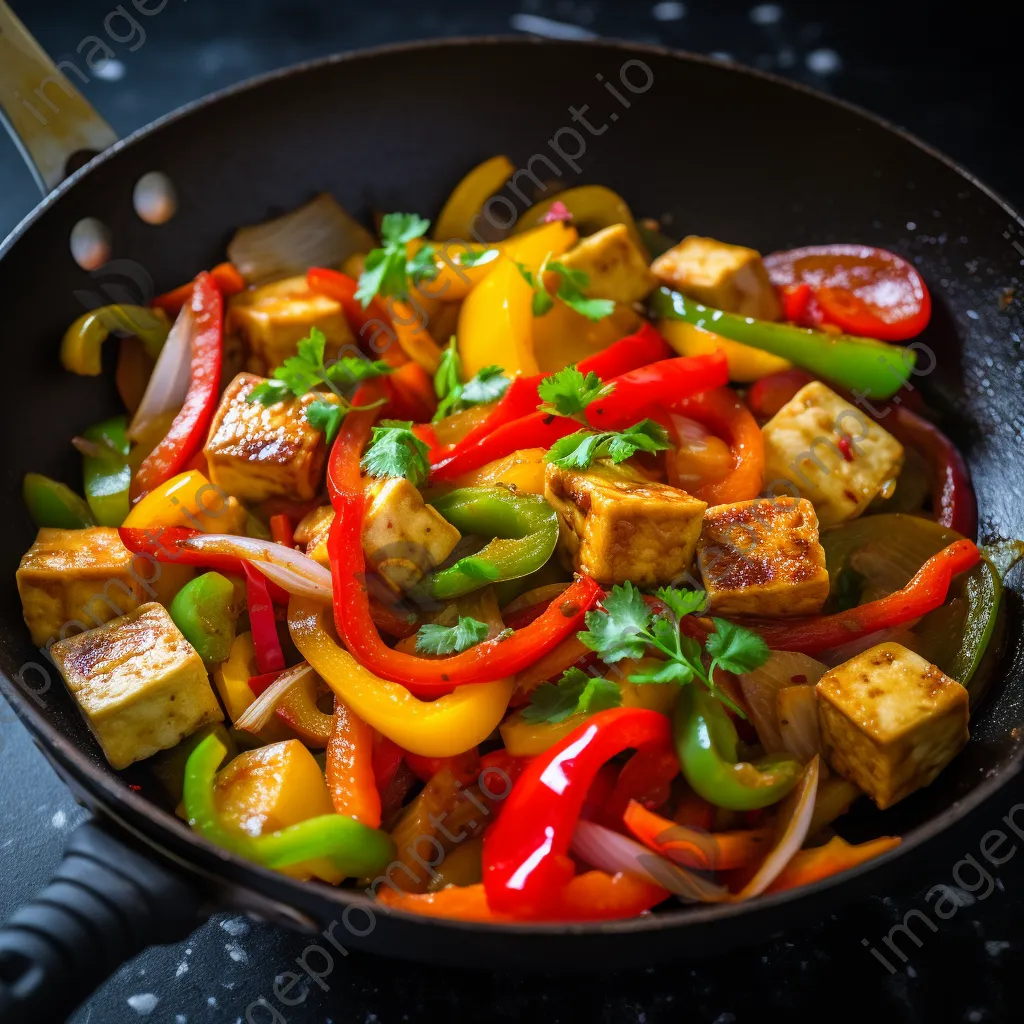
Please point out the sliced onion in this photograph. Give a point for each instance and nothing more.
(319, 234)
(293, 583)
(783, 668)
(797, 708)
(791, 827)
(168, 384)
(901, 634)
(261, 551)
(539, 595)
(609, 851)
(261, 710)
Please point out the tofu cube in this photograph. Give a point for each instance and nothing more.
(762, 557)
(75, 580)
(615, 265)
(257, 451)
(825, 449)
(274, 318)
(727, 277)
(312, 531)
(139, 683)
(615, 528)
(890, 721)
(403, 537)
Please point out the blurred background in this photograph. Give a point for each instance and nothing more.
(947, 72)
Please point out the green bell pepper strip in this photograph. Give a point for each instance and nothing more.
(204, 611)
(106, 472)
(706, 743)
(354, 849)
(869, 367)
(81, 348)
(51, 503)
(525, 528)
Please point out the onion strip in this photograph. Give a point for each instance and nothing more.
(168, 383)
(261, 710)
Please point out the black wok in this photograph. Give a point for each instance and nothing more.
(727, 152)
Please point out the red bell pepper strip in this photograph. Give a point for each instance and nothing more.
(645, 779)
(349, 768)
(281, 530)
(366, 323)
(768, 395)
(225, 276)
(188, 431)
(925, 592)
(269, 656)
(526, 863)
(410, 393)
(521, 398)
(463, 766)
(167, 544)
(261, 683)
(386, 758)
(664, 383)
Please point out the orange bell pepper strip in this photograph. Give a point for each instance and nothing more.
(410, 393)
(690, 848)
(644, 781)
(837, 855)
(410, 328)
(281, 530)
(591, 896)
(350, 774)
(225, 276)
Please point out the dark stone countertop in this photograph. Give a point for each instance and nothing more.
(952, 80)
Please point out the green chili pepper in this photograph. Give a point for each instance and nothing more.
(106, 471)
(863, 365)
(525, 528)
(204, 612)
(354, 849)
(706, 743)
(169, 765)
(80, 351)
(51, 503)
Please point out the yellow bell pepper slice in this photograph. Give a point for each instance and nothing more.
(444, 727)
(80, 350)
(191, 501)
(522, 471)
(467, 200)
(593, 207)
(528, 739)
(562, 336)
(413, 337)
(533, 247)
(746, 364)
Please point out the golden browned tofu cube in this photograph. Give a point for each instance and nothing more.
(312, 530)
(890, 721)
(762, 557)
(820, 446)
(257, 451)
(614, 528)
(615, 265)
(74, 580)
(139, 683)
(403, 537)
(727, 277)
(274, 318)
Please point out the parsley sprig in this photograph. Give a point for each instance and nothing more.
(306, 371)
(575, 693)
(387, 270)
(455, 395)
(571, 290)
(435, 639)
(626, 626)
(395, 451)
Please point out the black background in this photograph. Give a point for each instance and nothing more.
(949, 73)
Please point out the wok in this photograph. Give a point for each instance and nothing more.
(725, 151)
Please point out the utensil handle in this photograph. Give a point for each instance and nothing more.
(50, 121)
(106, 904)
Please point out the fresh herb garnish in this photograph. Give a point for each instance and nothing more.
(473, 257)
(568, 392)
(626, 626)
(581, 449)
(570, 291)
(575, 693)
(435, 639)
(395, 451)
(387, 270)
(306, 371)
(454, 395)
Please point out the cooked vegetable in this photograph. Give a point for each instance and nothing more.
(205, 612)
(52, 504)
(591, 207)
(105, 470)
(80, 350)
(225, 276)
(349, 770)
(458, 218)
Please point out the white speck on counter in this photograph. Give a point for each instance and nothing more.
(235, 951)
(973, 314)
(911, 225)
(59, 820)
(144, 1004)
(765, 14)
(823, 62)
(111, 70)
(212, 1001)
(180, 1018)
(182, 969)
(538, 26)
(235, 926)
(996, 946)
(668, 11)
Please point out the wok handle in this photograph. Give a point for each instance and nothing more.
(50, 121)
(106, 903)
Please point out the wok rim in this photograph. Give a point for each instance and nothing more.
(110, 793)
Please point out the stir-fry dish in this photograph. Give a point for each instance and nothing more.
(554, 574)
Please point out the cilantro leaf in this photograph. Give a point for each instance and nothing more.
(487, 386)
(349, 370)
(387, 270)
(472, 258)
(402, 228)
(434, 639)
(422, 266)
(682, 602)
(576, 692)
(736, 648)
(326, 416)
(269, 392)
(678, 672)
(582, 449)
(617, 629)
(542, 303)
(571, 292)
(395, 451)
(568, 392)
(455, 396)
